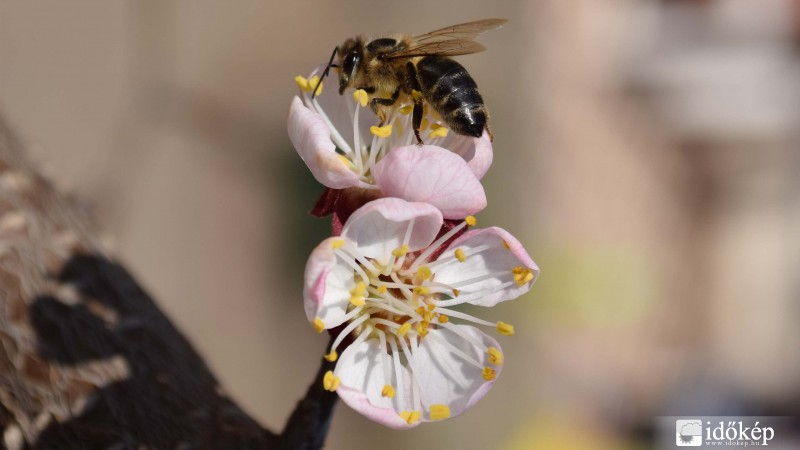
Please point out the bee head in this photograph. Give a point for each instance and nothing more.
(350, 57)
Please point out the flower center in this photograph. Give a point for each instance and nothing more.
(363, 151)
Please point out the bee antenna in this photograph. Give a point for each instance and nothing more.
(325, 72)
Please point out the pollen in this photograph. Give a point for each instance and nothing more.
(302, 83)
(471, 220)
(422, 328)
(460, 256)
(489, 374)
(505, 329)
(403, 329)
(359, 290)
(361, 97)
(382, 289)
(313, 82)
(522, 275)
(406, 109)
(345, 160)
(431, 307)
(456, 292)
(438, 131)
(421, 290)
(424, 273)
(416, 95)
(439, 412)
(387, 391)
(411, 417)
(318, 325)
(332, 356)
(495, 356)
(337, 243)
(330, 382)
(443, 318)
(382, 132)
(356, 300)
(400, 251)
(505, 244)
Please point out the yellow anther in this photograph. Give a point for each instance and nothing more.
(416, 95)
(406, 109)
(422, 328)
(382, 132)
(438, 131)
(400, 251)
(456, 292)
(312, 84)
(420, 309)
(411, 417)
(318, 325)
(387, 391)
(431, 307)
(427, 316)
(337, 243)
(382, 289)
(330, 382)
(361, 97)
(471, 220)
(302, 83)
(424, 273)
(495, 356)
(439, 412)
(403, 329)
(505, 244)
(423, 125)
(332, 356)
(522, 275)
(421, 290)
(359, 289)
(357, 300)
(460, 256)
(443, 318)
(489, 374)
(345, 160)
(505, 329)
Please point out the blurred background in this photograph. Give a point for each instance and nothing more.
(646, 153)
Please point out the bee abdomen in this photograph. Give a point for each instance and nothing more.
(452, 92)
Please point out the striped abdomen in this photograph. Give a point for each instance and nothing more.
(447, 86)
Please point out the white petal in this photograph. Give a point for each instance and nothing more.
(360, 370)
(444, 377)
(497, 259)
(380, 226)
(433, 175)
(311, 138)
(326, 287)
(477, 152)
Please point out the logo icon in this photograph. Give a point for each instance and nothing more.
(689, 433)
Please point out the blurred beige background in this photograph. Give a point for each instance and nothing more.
(646, 154)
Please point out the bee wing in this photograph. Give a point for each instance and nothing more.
(441, 48)
(450, 41)
(464, 31)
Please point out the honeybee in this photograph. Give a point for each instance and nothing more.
(417, 69)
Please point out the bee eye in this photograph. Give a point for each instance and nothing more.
(350, 64)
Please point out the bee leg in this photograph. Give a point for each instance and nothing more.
(376, 104)
(416, 95)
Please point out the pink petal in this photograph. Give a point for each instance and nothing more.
(380, 226)
(311, 138)
(477, 152)
(360, 370)
(444, 377)
(497, 259)
(433, 175)
(326, 287)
